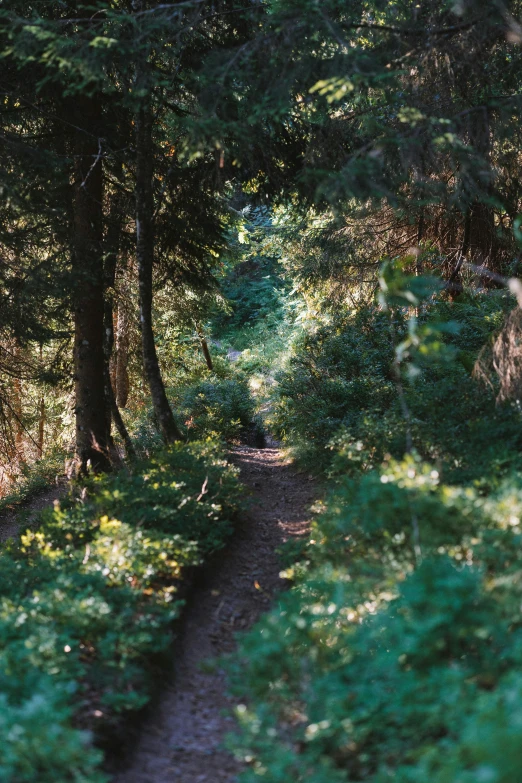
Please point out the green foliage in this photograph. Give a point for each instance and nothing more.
(488, 749)
(38, 743)
(338, 395)
(254, 290)
(378, 666)
(339, 373)
(394, 655)
(223, 407)
(260, 318)
(87, 601)
(190, 489)
(217, 404)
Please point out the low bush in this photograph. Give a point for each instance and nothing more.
(394, 657)
(87, 602)
(255, 291)
(207, 404)
(339, 391)
(221, 406)
(40, 744)
(339, 374)
(396, 654)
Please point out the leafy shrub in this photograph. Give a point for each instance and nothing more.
(87, 601)
(381, 664)
(190, 489)
(40, 745)
(254, 290)
(223, 407)
(338, 391)
(488, 748)
(262, 311)
(392, 657)
(338, 374)
(215, 404)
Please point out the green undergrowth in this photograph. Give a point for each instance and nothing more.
(338, 393)
(396, 655)
(87, 601)
(260, 320)
(217, 404)
(222, 406)
(385, 664)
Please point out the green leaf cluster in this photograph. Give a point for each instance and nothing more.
(339, 390)
(87, 601)
(224, 407)
(378, 666)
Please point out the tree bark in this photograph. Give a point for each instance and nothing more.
(121, 364)
(145, 258)
(89, 365)
(484, 244)
(17, 407)
(204, 347)
(120, 426)
(112, 412)
(483, 235)
(41, 416)
(454, 284)
(112, 245)
(41, 427)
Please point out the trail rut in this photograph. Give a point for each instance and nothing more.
(14, 522)
(182, 741)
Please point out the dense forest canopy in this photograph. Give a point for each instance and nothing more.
(134, 134)
(131, 129)
(227, 220)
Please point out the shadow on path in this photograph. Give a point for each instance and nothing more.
(181, 742)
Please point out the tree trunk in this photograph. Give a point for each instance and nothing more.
(483, 235)
(112, 246)
(145, 258)
(113, 237)
(41, 416)
(121, 369)
(204, 347)
(41, 427)
(89, 366)
(454, 284)
(17, 404)
(484, 244)
(18, 412)
(120, 426)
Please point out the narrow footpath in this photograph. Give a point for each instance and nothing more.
(14, 522)
(182, 740)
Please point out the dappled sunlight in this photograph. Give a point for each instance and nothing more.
(260, 391)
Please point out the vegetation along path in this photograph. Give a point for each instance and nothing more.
(183, 743)
(16, 521)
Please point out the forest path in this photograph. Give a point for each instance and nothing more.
(182, 742)
(18, 520)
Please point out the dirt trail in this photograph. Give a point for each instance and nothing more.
(12, 522)
(182, 742)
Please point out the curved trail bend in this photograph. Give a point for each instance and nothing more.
(182, 741)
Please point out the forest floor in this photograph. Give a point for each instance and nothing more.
(182, 739)
(13, 522)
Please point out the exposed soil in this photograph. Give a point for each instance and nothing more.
(182, 741)
(12, 522)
